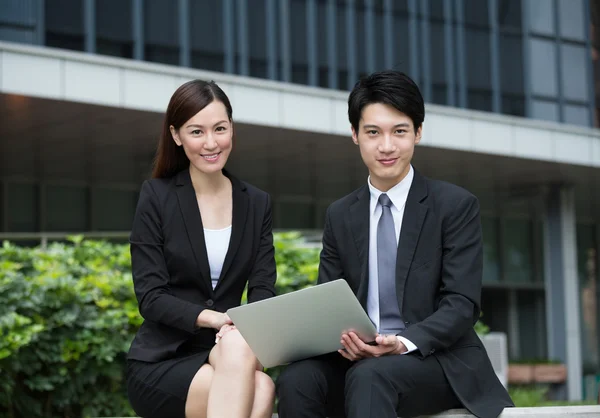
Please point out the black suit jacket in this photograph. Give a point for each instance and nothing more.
(438, 272)
(171, 273)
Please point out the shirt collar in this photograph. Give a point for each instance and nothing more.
(397, 194)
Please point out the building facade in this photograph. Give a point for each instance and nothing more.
(511, 88)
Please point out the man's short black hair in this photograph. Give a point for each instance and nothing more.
(393, 88)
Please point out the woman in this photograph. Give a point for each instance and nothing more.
(198, 237)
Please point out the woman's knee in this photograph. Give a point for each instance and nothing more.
(235, 351)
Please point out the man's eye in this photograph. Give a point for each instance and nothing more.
(372, 132)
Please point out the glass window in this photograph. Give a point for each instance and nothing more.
(322, 42)
(161, 31)
(532, 324)
(491, 262)
(543, 67)
(206, 34)
(479, 85)
(113, 210)
(294, 215)
(114, 34)
(511, 74)
(589, 277)
(66, 209)
(298, 42)
(494, 307)
(541, 16)
(577, 115)
(573, 65)
(22, 206)
(517, 251)
(437, 53)
(400, 35)
(509, 14)
(64, 24)
(544, 110)
(572, 21)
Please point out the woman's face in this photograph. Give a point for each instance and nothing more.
(206, 138)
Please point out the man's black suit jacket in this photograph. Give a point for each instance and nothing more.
(438, 272)
(171, 273)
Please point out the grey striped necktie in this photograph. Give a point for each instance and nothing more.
(390, 320)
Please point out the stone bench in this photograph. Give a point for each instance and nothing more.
(545, 411)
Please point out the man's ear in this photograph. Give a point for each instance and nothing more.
(175, 135)
(419, 134)
(354, 136)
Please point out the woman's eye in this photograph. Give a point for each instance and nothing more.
(196, 132)
(221, 129)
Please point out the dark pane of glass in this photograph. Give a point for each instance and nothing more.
(342, 46)
(295, 215)
(206, 34)
(517, 250)
(62, 217)
(2, 206)
(64, 24)
(161, 31)
(511, 74)
(113, 209)
(491, 259)
(437, 53)
(114, 34)
(509, 14)
(22, 205)
(298, 41)
(436, 9)
(400, 39)
(494, 307)
(532, 324)
(479, 87)
(476, 13)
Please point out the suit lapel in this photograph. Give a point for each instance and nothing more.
(193, 223)
(241, 202)
(359, 225)
(412, 223)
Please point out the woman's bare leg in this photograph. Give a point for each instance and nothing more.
(197, 398)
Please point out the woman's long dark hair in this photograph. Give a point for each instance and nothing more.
(187, 100)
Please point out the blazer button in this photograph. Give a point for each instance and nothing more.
(209, 302)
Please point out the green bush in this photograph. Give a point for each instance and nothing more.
(68, 314)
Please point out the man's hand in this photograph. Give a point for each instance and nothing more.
(355, 349)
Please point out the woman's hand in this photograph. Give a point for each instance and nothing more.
(212, 319)
(224, 330)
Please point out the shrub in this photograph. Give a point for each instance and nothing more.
(68, 314)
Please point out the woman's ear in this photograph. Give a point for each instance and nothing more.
(175, 135)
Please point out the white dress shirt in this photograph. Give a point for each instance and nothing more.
(398, 195)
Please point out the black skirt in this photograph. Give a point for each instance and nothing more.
(159, 390)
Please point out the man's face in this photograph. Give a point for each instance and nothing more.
(386, 139)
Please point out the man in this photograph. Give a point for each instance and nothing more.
(411, 250)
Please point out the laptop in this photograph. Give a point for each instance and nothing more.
(302, 324)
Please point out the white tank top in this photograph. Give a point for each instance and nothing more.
(217, 243)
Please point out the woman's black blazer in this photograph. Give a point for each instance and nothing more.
(171, 274)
